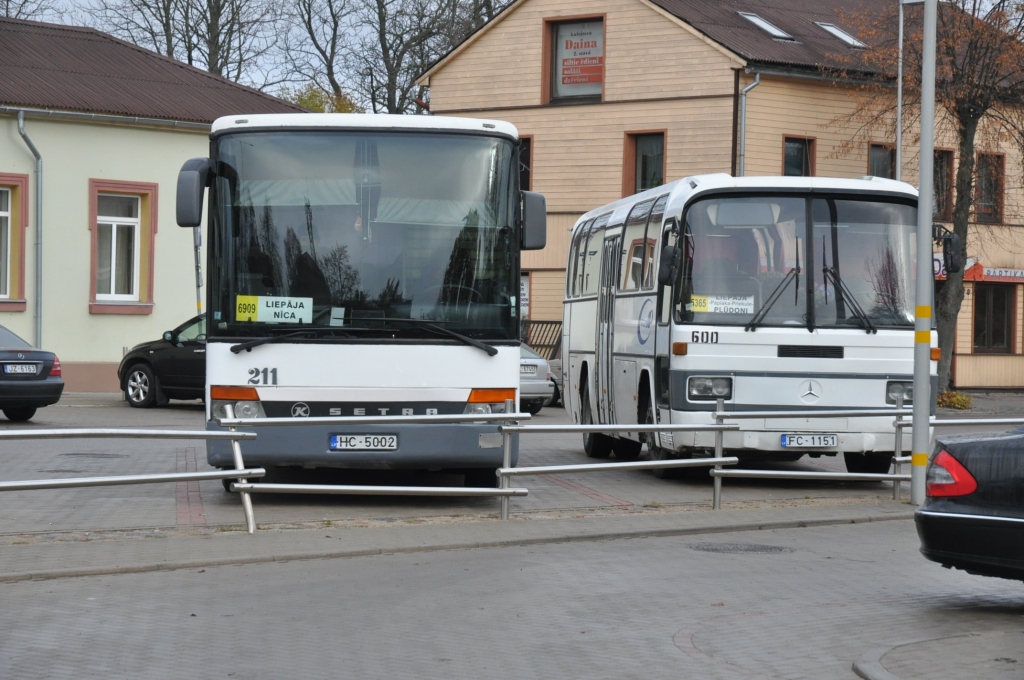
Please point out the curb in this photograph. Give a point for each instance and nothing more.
(465, 545)
(869, 665)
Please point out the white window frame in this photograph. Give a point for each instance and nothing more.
(767, 26)
(841, 35)
(7, 265)
(114, 222)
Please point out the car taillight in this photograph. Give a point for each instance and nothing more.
(55, 369)
(947, 477)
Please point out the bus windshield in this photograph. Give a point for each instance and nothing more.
(363, 234)
(792, 260)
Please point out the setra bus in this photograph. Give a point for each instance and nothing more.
(770, 293)
(363, 265)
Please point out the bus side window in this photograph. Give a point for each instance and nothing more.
(669, 238)
(575, 271)
(650, 242)
(632, 262)
(591, 257)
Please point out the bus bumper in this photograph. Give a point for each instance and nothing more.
(420, 447)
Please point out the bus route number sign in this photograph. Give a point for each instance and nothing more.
(270, 309)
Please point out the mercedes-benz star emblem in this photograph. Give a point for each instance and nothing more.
(300, 410)
(810, 391)
(20, 355)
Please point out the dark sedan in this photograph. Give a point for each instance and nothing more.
(173, 367)
(29, 379)
(973, 518)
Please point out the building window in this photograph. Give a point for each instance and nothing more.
(798, 157)
(993, 318)
(576, 72)
(943, 208)
(525, 163)
(13, 223)
(643, 162)
(988, 199)
(882, 161)
(123, 225)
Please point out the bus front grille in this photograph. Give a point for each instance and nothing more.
(810, 351)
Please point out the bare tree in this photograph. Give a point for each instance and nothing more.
(35, 10)
(979, 93)
(152, 24)
(316, 50)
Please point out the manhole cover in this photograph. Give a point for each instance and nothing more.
(740, 548)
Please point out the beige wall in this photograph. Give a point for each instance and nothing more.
(90, 345)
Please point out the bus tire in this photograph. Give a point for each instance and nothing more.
(627, 449)
(594, 445)
(871, 463)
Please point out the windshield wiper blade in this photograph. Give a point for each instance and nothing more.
(431, 326)
(248, 345)
(858, 311)
(772, 299)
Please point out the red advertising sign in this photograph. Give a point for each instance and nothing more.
(579, 59)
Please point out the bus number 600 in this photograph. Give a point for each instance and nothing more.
(709, 337)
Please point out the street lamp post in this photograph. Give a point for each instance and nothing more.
(899, 94)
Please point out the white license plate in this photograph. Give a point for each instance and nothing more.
(364, 442)
(810, 441)
(19, 368)
(528, 368)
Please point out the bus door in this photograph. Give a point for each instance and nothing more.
(663, 338)
(606, 329)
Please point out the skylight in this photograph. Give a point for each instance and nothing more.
(769, 28)
(841, 34)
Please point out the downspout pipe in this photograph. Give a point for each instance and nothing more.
(743, 122)
(39, 228)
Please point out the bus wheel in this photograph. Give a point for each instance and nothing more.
(654, 449)
(872, 463)
(627, 449)
(595, 445)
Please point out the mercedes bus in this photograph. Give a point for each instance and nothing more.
(362, 265)
(769, 293)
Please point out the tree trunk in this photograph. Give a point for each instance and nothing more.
(950, 295)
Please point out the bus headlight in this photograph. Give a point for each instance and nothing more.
(898, 388)
(709, 389)
(243, 409)
(478, 409)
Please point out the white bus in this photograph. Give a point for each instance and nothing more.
(771, 293)
(363, 265)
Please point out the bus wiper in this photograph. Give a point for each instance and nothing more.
(831, 274)
(430, 326)
(248, 345)
(772, 299)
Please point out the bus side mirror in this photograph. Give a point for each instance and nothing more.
(535, 221)
(667, 265)
(952, 254)
(193, 178)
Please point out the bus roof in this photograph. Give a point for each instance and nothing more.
(681, 190)
(366, 121)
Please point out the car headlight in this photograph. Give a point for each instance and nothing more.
(899, 388)
(243, 409)
(709, 389)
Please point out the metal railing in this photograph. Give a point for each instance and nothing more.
(240, 472)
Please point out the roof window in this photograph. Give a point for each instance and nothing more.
(842, 35)
(769, 28)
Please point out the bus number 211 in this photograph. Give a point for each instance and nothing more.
(707, 337)
(262, 376)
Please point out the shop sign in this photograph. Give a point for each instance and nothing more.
(1009, 275)
(579, 59)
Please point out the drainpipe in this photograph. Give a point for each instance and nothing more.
(39, 228)
(743, 122)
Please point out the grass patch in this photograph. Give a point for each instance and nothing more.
(954, 400)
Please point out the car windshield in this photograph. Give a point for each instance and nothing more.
(752, 259)
(364, 234)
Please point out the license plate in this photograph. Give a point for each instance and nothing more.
(19, 368)
(528, 368)
(364, 442)
(810, 441)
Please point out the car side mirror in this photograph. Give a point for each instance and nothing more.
(667, 265)
(952, 253)
(168, 336)
(535, 221)
(193, 178)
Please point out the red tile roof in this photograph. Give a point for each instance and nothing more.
(68, 68)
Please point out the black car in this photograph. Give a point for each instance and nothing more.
(29, 380)
(173, 367)
(973, 518)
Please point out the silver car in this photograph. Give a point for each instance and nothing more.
(535, 386)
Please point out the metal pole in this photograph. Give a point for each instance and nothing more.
(236, 451)
(39, 227)
(897, 467)
(899, 102)
(741, 164)
(716, 494)
(925, 275)
(197, 239)
(506, 460)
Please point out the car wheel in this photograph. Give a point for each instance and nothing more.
(140, 386)
(871, 463)
(594, 444)
(531, 407)
(481, 478)
(20, 415)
